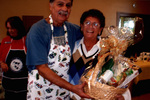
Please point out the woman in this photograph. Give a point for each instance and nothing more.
(92, 23)
(13, 59)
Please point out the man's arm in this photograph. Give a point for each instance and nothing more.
(51, 76)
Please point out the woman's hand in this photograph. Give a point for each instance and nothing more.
(4, 66)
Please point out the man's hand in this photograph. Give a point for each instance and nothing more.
(78, 89)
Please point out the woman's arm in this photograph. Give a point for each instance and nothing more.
(3, 66)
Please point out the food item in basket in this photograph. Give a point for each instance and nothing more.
(122, 68)
(105, 77)
(117, 80)
(108, 65)
(106, 72)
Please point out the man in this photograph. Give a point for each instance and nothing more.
(49, 45)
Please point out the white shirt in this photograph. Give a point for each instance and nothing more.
(87, 53)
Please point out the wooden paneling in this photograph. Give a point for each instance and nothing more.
(30, 20)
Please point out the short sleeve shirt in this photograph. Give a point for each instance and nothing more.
(39, 39)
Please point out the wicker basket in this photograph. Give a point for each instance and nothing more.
(101, 91)
(98, 90)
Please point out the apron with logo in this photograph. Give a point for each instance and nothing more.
(16, 78)
(58, 61)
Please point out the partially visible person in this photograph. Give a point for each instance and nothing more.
(13, 60)
(86, 50)
(50, 43)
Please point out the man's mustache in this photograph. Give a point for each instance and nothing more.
(63, 12)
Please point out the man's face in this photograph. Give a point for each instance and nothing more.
(60, 11)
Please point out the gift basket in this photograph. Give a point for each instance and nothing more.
(113, 72)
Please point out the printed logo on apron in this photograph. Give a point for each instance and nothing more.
(16, 65)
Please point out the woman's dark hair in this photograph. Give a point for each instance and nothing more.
(51, 1)
(93, 13)
(16, 23)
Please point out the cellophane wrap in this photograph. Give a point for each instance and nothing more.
(124, 71)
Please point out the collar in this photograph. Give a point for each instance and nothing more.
(94, 49)
(81, 42)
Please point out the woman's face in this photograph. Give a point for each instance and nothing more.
(91, 28)
(13, 32)
(60, 11)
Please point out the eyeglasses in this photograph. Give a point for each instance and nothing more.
(94, 25)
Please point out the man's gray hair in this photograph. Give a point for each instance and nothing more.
(51, 1)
